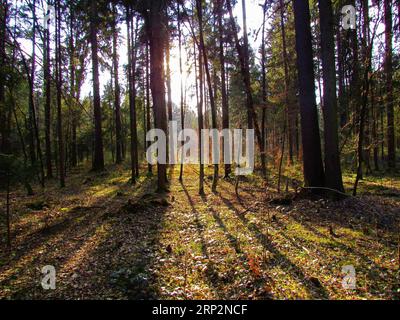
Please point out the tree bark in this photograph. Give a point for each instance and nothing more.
(8, 220)
(98, 157)
(117, 103)
(333, 172)
(148, 113)
(168, 75)
(32, 113)
(247, 84)
(133, 114)
(73, 145)
(168, 80)
(245, 50)
(61, 163)
(224, 96)
(132, 96)
(4, 144)
(181, 87)
(389, 85)
(342, 92)
(289, 112)
(158, 21)
(47, 106)
(312, 160)
(209, 82)
(375, 142)
(355, 83)
(363, 112)
(200, 119)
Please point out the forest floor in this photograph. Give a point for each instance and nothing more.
(108, 239)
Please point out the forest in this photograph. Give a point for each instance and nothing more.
(87, 88)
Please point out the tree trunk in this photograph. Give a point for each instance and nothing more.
(355, 83)
(245, 50)
(312, 160)
(4, 144)
(168, 79)
(389, 85)
(73, 145)
(117, 104)
(168, 75)
(33, 124)
(374, 129)
(200, 119)
(224, 96)
(365, 42)
(59, 111)
(133, 115)
(289, 113)
(209, 82)
(47, 106)
(132, 95)
(333, 172)
(181, 87)
(8, 215)
(148, 113)
(158, 21)
(363, 112)
(98, 158)
(246, 80)
(343, 107)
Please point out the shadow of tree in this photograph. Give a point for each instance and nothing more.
(315, 291)
(257, 281)
(211, 272)
(85, 249)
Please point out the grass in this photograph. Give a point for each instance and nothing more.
(200, 247)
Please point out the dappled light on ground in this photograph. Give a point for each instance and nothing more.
(109, 239)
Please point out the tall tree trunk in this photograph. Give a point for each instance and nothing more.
(209, 82)
(374, 129)
(79, 78)
(363, 113)
(382, 129)
(224, 96)
(312, 159)
(73, 145)
(200, 95)
(333, 172)
(289, 112)
(47, 106)
(247, 84)
(32, 113)
(132, 94)
(343, 107)
(31, 110)
(117, 104)
(365, 42)
(264, 78)
(133, 116)
(168, 80)
(4, 144)
(181, 87)
(158, 21)
(61, 165)
(389, 85)
(245, 50)
(168, 74)
(8, 219)
(355, 82)
(148, 113)
(98, 157)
